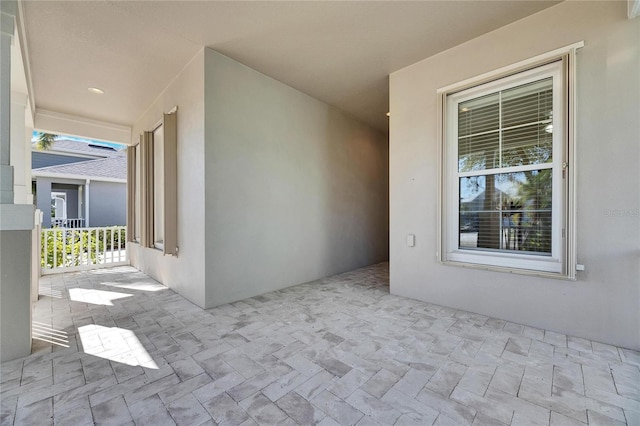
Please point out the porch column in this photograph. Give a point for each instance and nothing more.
(86, 202)
(16, 220)
(21, 177)
(7, 26)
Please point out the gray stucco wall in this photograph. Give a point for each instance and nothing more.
(43, 200)
(295, 190)
(107, 203)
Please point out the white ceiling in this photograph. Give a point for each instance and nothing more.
(338, 52)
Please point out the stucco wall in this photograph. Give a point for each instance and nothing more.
(604, 303)
(295, 190)
(43, 200)
(107, 203)
(184, 273)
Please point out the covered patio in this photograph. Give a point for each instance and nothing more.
(113, 346)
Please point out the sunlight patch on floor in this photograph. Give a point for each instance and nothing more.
(115, 344)
(46, 333)
(139, 285)
(96, 297)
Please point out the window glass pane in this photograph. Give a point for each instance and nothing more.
(522, 135)
(527, 145)
(526, 104)
(527, 114)
(478, 152)
(506, 212)
(158, 185)
(478, 115)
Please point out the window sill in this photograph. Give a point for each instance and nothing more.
(516, 271)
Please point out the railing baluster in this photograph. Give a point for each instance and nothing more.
(55, 248)
(73, 259)
(64, 247)
(92, 249)
(111, 248)
(81, 248)
(98, 250)
(104, 243)
(89, 245)
(120, 243)
(78, 247)
(44, 252)
(96, 241)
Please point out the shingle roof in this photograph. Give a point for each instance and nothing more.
(112, 167)
(79, 147)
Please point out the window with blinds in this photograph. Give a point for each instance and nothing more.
(504, 157)
(505, 204)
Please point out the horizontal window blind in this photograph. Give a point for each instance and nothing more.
(510, 210)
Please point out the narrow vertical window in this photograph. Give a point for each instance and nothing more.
(133, 210)
(137, 195)
(158, 187)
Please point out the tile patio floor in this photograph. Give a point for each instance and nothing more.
(337, 351)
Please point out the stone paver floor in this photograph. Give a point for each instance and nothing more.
(341, 350)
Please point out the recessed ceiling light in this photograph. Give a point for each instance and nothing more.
(96, 90)
(389, 114)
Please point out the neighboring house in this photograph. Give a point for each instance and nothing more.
(78, 184)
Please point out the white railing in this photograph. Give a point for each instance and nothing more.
(68, 223)
(74, 249)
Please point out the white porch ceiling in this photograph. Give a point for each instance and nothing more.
(338, 52)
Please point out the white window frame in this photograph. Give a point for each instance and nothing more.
(137, 194)
(158, 187)
(558, 65)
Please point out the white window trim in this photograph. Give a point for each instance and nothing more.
(137, 194)
(562, 263)
(158, 187)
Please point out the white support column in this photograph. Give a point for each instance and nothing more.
(21, 187)
(7, 28)
(16, 220)
(80, 201)
(86, 202)
(28, 131)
